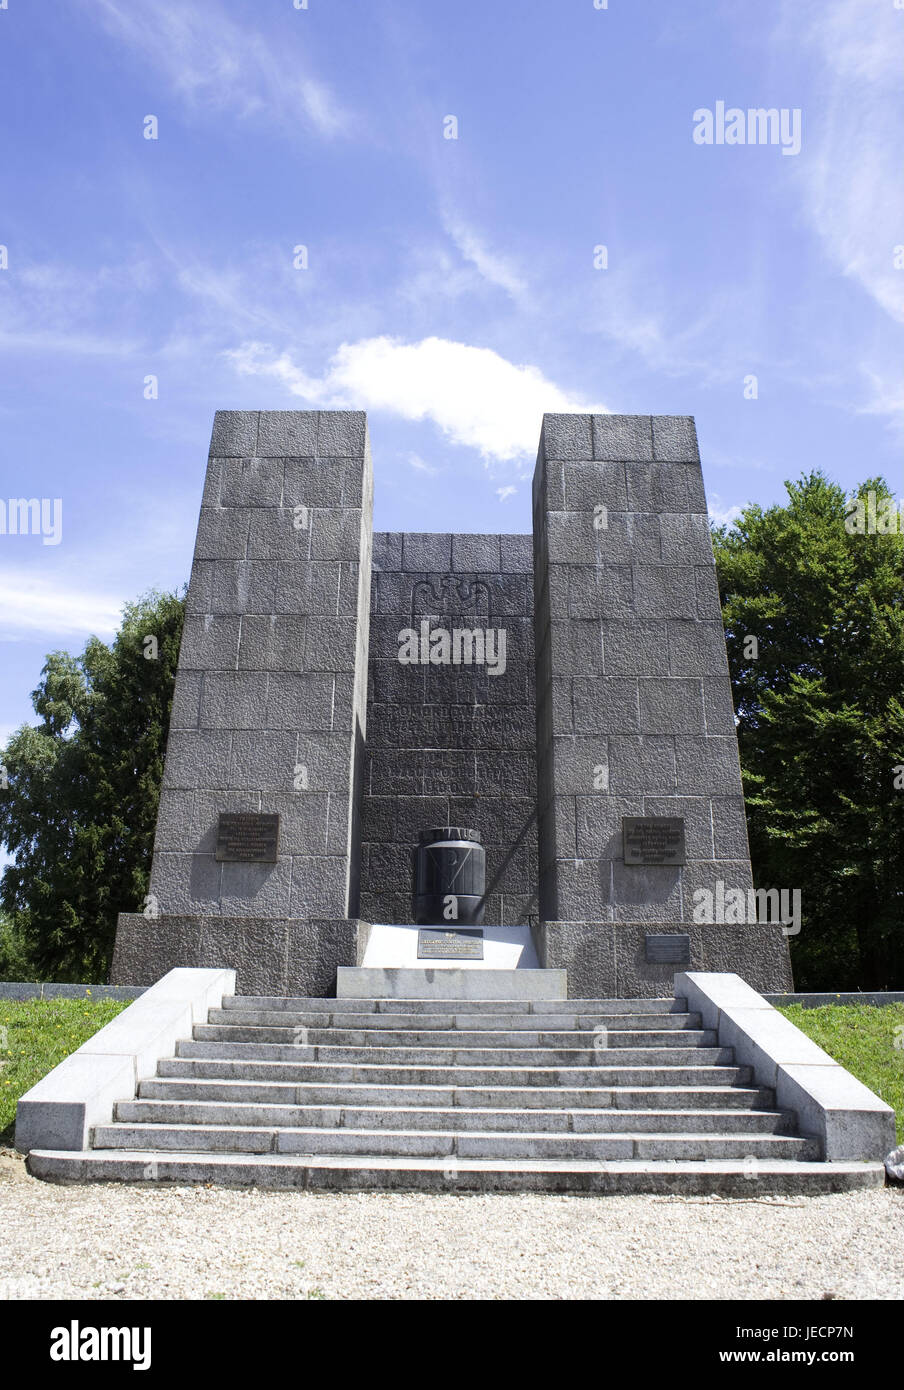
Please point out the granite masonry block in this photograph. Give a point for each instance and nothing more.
(255, 949)
(209, 643)
(254, 482)
(646, 893)
(657, 487)
(185, 883)
(708, 766)
(395, 775)
(671, 706)
(664, 591)
(586, 950)
(572, 539)
(213, 482)
(697, 649)
(256, 890)
(718, 706)
(274, 535)
(607, 705)
(704, 875)
(599, 824)
(622, 437)
(306, 588)
(342, 433)
(286, 433)
(197, 758)
(634, 649)
(472, 553)
(233, 700)
(314, 952)
(581, 764)
(234, 434)
(709, 609)
(645, 764)
(604, 592)
(175, 816)
(264, 761)
(319, 886)
(416, 813)
(327, 758)
(630, 538)
(335, 534)
(197, 600)
(426, 551)
(298, 700)
(223, 533)
(635, 976)
(206, 809)
(275, 642)
(186, 707)
(583, 890)
(387, 550)
(517, 555)
(696, 811)
(592, 485)
(331, 644)
(686, 539)
(729, 828)
(447, 771)
(498, 774)
(575, 649)
(566, 437)
(244, 586)
(675, 439)
(311, 482)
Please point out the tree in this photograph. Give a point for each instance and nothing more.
(81, 806)
(814, 619)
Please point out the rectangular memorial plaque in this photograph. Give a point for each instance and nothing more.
(443, 943)
(671, 949)
(247, 837)
(653, 839)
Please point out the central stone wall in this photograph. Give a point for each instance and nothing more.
(450, 744)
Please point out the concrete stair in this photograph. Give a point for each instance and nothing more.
(576, 1095)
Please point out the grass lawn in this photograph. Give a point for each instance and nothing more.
(36, 1034)
(867, 1041)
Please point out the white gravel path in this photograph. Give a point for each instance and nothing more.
(113, 1241)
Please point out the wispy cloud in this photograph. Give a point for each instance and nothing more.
(32, 606)
(494, 268)
(213, 63)
(473, 395)
(504, 492)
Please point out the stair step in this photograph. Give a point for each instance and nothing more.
(584, 1120)
(458, 1020)
(302, 1035)
(445, 1006)
(492, 1097)
(457, 1056)
(440, 1143)
(334, 1172)
(242, 1069)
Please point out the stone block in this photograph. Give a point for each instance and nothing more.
(197, 758)
(657, 487)
(209, 644)
(675, 439)
(638, 978)
(256, 890)
(607, 705)
(234, 434)
(306, 588)
(274, 535)
(670, 706)
(729, 828)
(233, 700)
(758, 953)
(645, 764)
(622, 437)
(646, 893)
(517, 555)
(566, 437)
(426, 552)
(272, 642)
(718, 706)
(387, 550)
(696, 812)
(634, 649)
(708, 766)
(245, 586)
(287, 433)
(315, 951)
(698, 649)
(630, 538)
(335, 534)
(575, 649)
(254, 949)
(331, 644)
(265, 761)
(254, 482)
(185, 884)
(592, 485)
(186, 706)
(223, 533)
(664, 591)
(686, 539)
(342, 433)
(319, 886)
(581, 764)
(473, 554)
(327, 758)
(606, 592)
(599, 824)
(585, 951)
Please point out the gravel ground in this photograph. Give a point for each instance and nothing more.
(119, 1242)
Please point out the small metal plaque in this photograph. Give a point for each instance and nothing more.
(674, 949)
(653, 839)
(246, 837)
(443, 943)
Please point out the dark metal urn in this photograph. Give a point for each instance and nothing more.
(449, 877)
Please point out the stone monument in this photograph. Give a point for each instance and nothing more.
(339, 692)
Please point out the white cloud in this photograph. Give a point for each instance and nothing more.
(722, 516)
(473, 395)
(418, 464)
(491, 267)
(213, 62)
(503, 492)
(852, 170)
(32, 607)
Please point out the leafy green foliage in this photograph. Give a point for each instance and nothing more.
(867, 1041)
(819, 699)
(81, 806)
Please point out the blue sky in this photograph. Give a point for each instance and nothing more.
(451, 289)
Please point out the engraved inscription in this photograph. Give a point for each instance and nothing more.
(440, 944)
(247, 837)
(653, 839)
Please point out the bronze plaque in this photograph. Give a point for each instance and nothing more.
(653, 839)
(442, 943)
(247, 837)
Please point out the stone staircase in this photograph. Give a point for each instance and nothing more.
(568, 1096)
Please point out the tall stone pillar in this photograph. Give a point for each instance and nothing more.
(634, 716)
(268, 713)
